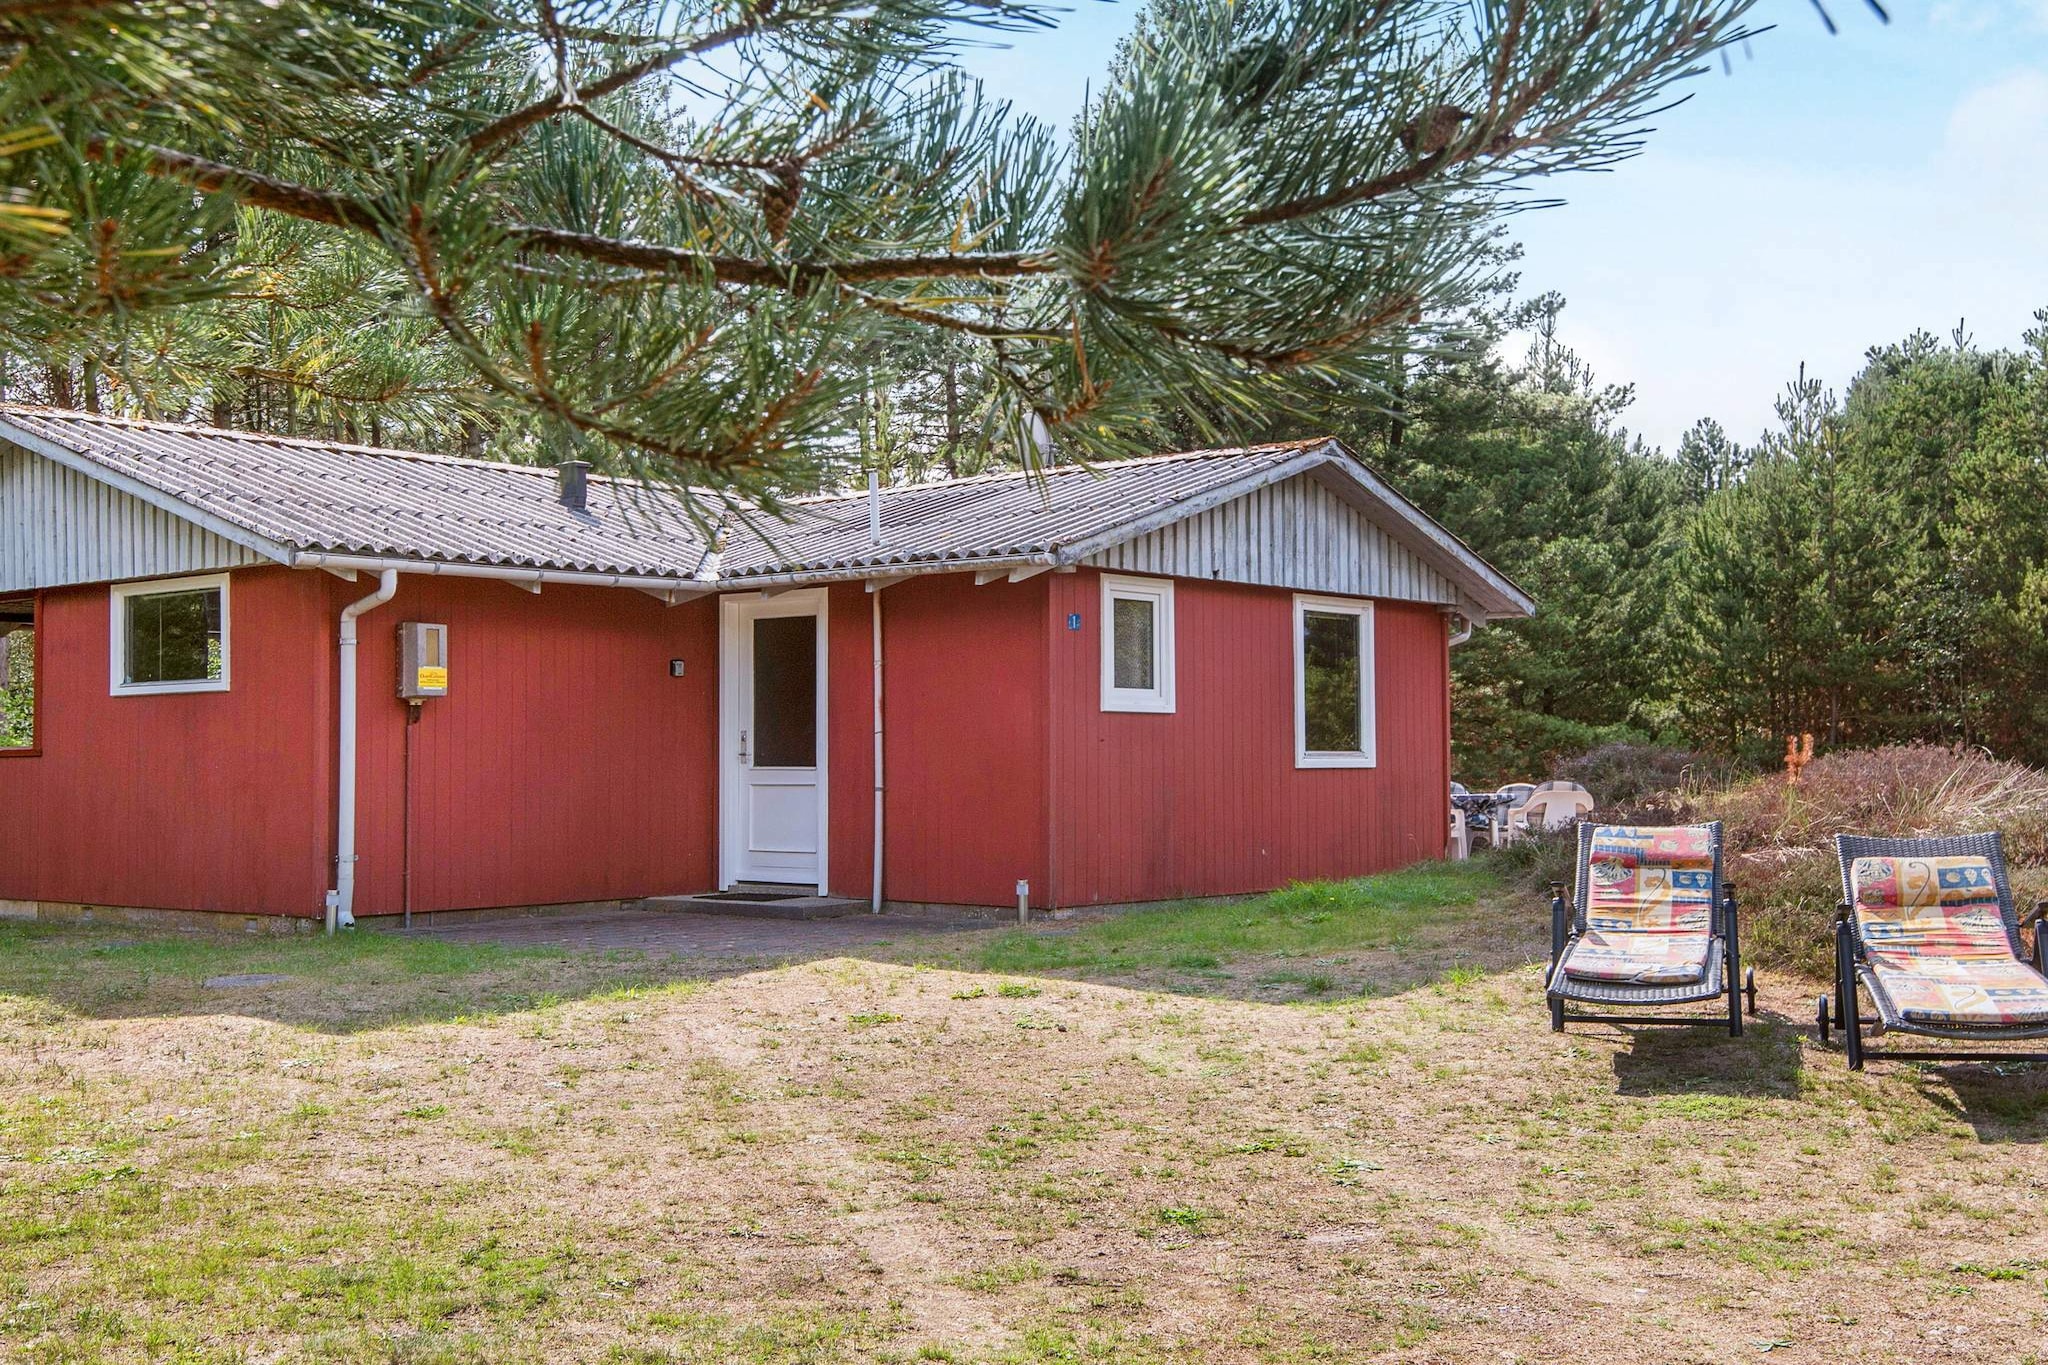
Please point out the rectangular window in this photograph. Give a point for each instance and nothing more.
(786, 692)
(1137, 644)
(1334, 712)
(171, 636)
(17, 677)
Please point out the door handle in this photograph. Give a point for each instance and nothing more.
(743, 746)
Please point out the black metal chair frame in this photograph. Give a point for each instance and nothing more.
(1844, 1012)
(1724, 974)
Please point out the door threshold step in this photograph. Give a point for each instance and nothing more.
(758, 905)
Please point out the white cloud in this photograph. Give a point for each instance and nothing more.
(1981, 16)
(1999, 128)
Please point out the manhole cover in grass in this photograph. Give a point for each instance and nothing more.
(230, 982)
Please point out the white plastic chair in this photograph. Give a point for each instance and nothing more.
(1507, 814)
(1461, 836)
(1550, 806)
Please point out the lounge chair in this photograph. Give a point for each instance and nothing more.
(1650, 923)
(1927, 927)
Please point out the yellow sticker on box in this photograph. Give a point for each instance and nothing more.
(433, 680)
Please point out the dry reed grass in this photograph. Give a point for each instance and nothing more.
(1781, 838)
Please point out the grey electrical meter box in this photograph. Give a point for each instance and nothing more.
(422, 660)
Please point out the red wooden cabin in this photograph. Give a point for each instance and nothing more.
(1194, 675)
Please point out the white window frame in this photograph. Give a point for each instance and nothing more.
(1368, 705)
(117, 651)
(1157, 699)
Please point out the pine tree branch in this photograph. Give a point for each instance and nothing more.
(512, 125)
(910, 312)
(1494, 139)
(338, 210)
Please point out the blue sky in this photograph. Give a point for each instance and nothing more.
(1828, 195)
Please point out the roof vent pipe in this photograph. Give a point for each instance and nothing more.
(874, 508)
(575, 481)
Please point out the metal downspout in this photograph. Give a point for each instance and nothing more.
(875, 616)
(341, 901)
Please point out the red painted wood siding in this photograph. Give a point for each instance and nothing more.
(964, 696)
(567, 765)
(200, 801)
(850, 723)
(1207, 801)
(564, 765)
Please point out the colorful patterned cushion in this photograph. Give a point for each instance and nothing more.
(1980, 992)
(1641, 959)
(1929, 907)
(1935, 940)
(1650, 880)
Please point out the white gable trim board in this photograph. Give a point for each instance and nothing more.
(59, 526)
(1296, 534)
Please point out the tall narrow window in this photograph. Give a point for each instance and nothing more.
(1137, 644)
(171, 636)
(1334, 714)
(17, 676)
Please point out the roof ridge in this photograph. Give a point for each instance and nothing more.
(428, 457)
(314, 442)
(1211, 453)
(263, 437)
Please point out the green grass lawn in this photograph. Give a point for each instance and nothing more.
(1328, 1125)
(1386, 911)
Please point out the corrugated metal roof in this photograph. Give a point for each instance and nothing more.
(992, 517)
(291, 497)
(320, 496)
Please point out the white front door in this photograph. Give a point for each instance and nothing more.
(772, 726)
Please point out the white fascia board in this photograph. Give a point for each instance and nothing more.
(1337, 469)
(1418, 531)
(1191, 506)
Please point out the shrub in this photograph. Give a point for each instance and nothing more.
(1781, 839)
(1625, 776)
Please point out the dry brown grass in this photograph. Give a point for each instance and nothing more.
(1782, 838)
(527, 1159)
(1781, 849)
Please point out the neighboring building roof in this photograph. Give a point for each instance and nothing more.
(304, 501)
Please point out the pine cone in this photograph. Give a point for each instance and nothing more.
(1432, 132)
(778, 201)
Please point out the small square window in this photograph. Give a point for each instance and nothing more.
(1137, 644)
(171, 636)
(1334, 710)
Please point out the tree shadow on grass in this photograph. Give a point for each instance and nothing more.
(1765, 1063)
(2004, 1102)
(372, 980)
(369, 980)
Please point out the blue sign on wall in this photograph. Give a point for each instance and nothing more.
(1073, 620)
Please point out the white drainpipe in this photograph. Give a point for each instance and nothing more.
(875, 894)
(341, 901)
(875, 587)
